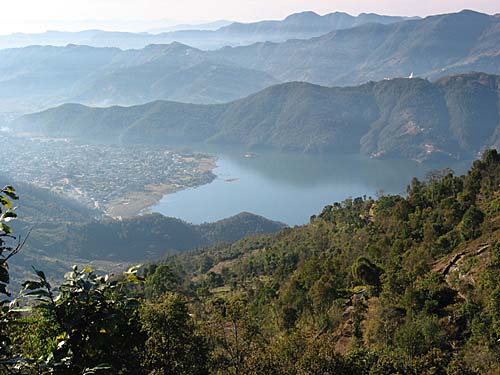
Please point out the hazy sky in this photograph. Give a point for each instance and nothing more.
(135, 15)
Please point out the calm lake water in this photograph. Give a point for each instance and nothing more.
(290, 187)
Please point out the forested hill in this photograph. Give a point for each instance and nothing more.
(143, 238)
(394, 285)
(62, 231)
(453, 117)
(397, 285)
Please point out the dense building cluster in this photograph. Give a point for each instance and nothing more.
(97, 174)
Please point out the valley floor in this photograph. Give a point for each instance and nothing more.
(117, 180)
(138, 202)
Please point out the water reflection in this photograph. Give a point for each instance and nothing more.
(290, 187)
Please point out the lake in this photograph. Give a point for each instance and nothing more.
(291, 187)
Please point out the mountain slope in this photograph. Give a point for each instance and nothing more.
(173, 72)
(148, 237)
(40, 77)
(61, 232)
(430, 47)
(35, 78)
(399, 284)
(301, 25)
(456, 116)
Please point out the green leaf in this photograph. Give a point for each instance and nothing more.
(94, 370)
(10, 191)
(133, 270)
(5, 228)
(20, 309)
(38, 293)
(32, 285)
(3, 289)
(4, 274)
(40, 274)
(4, 201)
(8, 216)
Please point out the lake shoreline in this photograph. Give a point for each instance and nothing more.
(289, 187)
(140, 202)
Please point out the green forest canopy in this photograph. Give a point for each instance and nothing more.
(394, 285)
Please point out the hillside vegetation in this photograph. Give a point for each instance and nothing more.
(147, 237)
(453, 117)
(62, 232)
(396, 285)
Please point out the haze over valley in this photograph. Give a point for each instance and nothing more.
(119, 180)
(38, 77)
(276, 190)
(400, 118)
(392, 88)
(215, 35)
(116, 121)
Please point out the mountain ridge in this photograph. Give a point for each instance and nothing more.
(36, 78)
(428, 47)
(235, 33)
(63, 232)
(453, 117)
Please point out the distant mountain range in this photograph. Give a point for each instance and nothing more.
(40, 77)
(215, 25)
(454, 117)
(429, 47)
(37, 77)
(206, 36)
